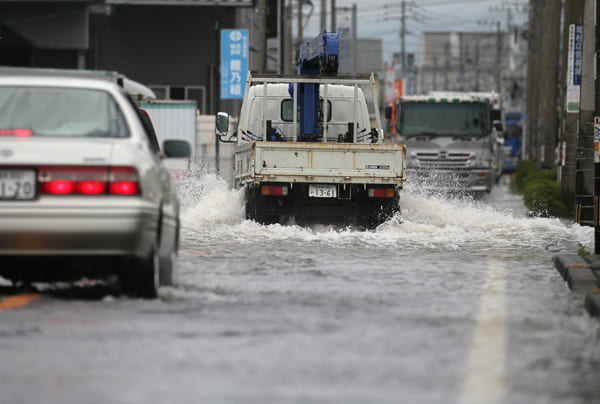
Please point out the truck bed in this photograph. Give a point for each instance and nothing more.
(335, 163)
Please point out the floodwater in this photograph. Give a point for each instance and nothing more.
(455, 301)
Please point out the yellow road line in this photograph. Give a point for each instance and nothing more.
(486, 371)
(17, 301)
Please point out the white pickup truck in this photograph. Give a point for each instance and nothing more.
(348, 175)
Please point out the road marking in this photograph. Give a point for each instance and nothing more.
(17, 301)
(486, 371)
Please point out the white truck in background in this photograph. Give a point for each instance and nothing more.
(348, 174)
(455, 140)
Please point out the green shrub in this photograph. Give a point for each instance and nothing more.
(527, 171)
(542, 196)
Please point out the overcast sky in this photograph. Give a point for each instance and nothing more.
(381, 18)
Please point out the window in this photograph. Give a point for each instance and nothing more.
(56, 111)
(196, 93)
(287, 110)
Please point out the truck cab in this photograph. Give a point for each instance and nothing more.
(454, 140)
(279, 114)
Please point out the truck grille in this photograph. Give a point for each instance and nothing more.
(443, 159)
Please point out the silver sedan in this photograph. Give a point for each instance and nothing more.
(83, 191)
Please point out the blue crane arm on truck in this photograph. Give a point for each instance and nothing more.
(317, 57)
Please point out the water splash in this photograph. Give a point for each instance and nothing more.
(216, 212)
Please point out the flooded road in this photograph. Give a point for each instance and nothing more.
(456, 301)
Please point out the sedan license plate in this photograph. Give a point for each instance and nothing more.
(17, 184)
(322, 191)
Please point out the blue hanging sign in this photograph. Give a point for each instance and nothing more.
(234, 63)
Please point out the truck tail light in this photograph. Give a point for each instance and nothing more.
(382, 192)
(274, 190)
(69, 180)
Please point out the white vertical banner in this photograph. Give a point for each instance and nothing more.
(574, 60)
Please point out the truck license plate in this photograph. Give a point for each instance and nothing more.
(17, 184)
(322, 191)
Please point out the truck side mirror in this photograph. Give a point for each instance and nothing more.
(222, 127)
(222, 123)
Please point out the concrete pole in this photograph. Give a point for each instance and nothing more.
(498, 56)
(585, 167)
(533, 80)
(300, 29)
(262, 35)
(573, 14)
(288, 50)
(333, 17)
(548, 72)
(477, 65)
(435, 67)
(403, 39)
(354, 40)
(280, 36)
(323, 15)
(597, 165)
(446, 65)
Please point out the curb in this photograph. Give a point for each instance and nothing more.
(582, 275)
(577, 272)
(592, 303)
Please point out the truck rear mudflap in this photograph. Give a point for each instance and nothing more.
(304, 203)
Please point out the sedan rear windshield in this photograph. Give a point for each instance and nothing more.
(52, 111)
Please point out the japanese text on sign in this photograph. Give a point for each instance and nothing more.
(574, 60)
(234, 62)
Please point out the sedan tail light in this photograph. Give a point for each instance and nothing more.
(82, 180)
(123, 181)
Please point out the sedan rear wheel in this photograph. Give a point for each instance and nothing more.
(143, 279)
(167, 269)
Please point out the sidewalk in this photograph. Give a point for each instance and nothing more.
(582, 274)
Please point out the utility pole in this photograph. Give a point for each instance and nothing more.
(288, 54)
(262, 35)
(461, 79)
(435, 68)
(447, 65)
(300, 33)
(323, 15)
(596, 117)
(585, 140)
(477, 65)
(333, 17)
(403, 38)
(548, 72)
(533, 79)
(573, 14)
(354, 40)
(498, 56)
(280, 37)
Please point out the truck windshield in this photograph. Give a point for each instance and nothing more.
(55, 111)
(443, 119)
